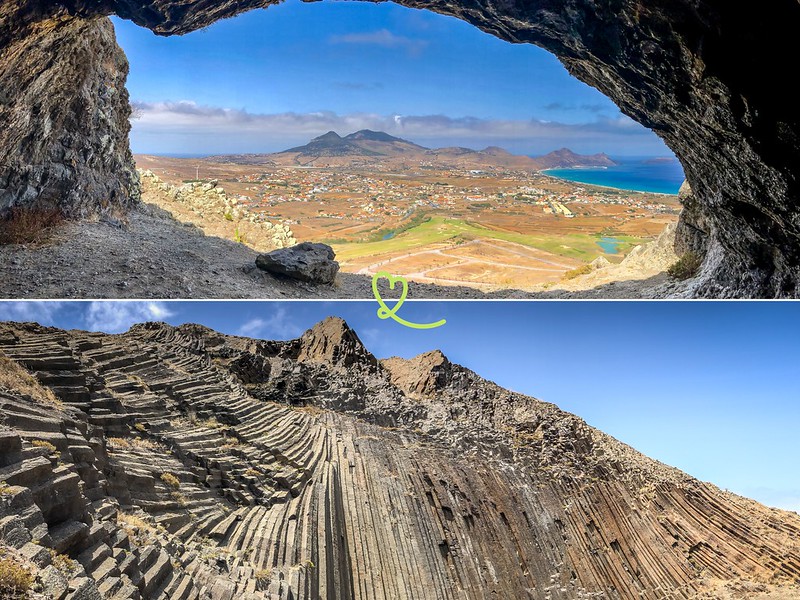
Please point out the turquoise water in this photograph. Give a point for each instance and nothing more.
(388, 236)
(609, 244)
(641, 175)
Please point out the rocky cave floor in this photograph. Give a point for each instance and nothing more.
(153, 255)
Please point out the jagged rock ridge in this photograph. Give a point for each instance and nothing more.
(178, 462)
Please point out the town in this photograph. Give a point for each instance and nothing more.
(447, 224)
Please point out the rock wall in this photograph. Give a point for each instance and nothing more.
(692, 71)
(64, 120)
(208, 206)
(162, 470)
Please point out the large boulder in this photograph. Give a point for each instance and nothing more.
(306, 262)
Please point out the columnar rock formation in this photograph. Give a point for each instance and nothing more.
(694, 72)
(182, 463)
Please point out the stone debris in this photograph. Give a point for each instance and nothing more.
(310, 262)
(180, 463)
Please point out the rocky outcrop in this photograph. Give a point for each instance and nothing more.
(64, 117)
(691, 71)
(209, 207)
(160, 468)
(642, 262)
(333, 342)
(313, 263)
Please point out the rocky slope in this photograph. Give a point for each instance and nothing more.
(182, 463)
(643, 262)
(207, 206)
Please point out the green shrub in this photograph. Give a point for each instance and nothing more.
(686, 266)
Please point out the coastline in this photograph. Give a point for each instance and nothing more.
(548, 173)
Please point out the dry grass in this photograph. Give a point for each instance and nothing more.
(582, 270)
(15, 580)
(171, 480)
(212, 423)
(143, 443)
(17, 379)
(132, 443)
(127, 521)
(230, 442)
(138, 530)
(309, 409)
(29, 226)
(62, 562)
(45, 444)
(179, 498)
(262, 577)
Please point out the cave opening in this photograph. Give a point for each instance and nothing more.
(407, 140)
(693, 73)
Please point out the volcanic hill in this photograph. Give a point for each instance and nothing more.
(369, 146)
(178, 462)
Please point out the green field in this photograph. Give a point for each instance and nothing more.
(439, 230)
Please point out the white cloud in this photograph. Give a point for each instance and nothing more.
(118, 316)
(275, 326)
(219, 130)
(382, 38)
(39, 311)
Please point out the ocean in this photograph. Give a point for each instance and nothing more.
(657, 175)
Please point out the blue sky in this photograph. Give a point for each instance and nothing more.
(709, 387)
(273, 78)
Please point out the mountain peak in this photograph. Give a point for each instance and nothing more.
(364, 142)
(330, 136)
(565, 158)
(495, 151)
(334, 342)
(372, 136)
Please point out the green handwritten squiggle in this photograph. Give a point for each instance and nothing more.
(384, 312)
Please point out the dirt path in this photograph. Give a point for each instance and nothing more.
(465, 262)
